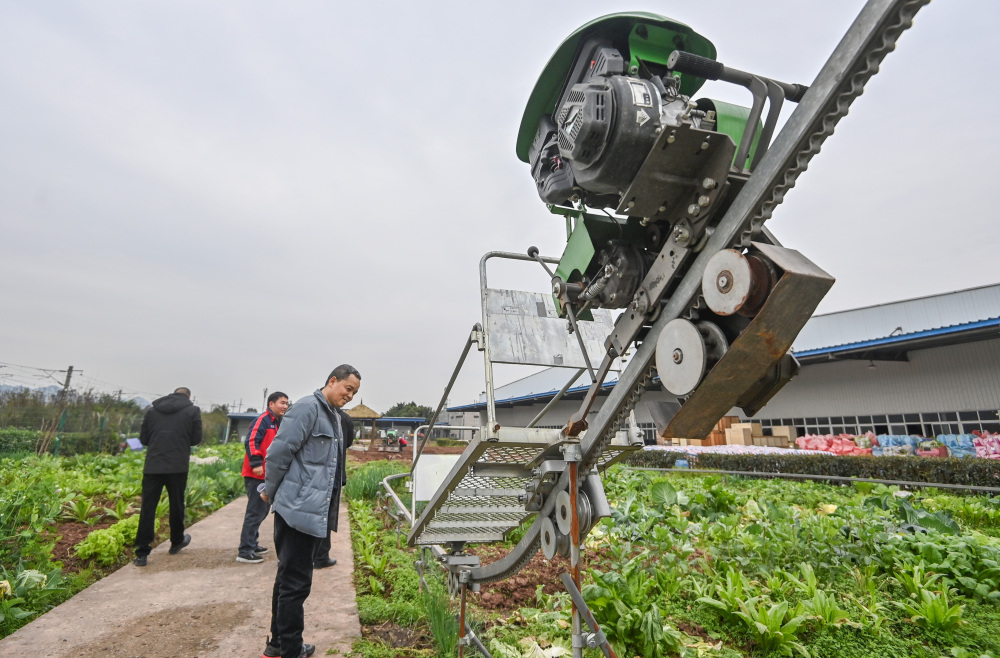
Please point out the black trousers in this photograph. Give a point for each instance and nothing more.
(152, 488)
(323, 545)
(256, 512)
(292, 585)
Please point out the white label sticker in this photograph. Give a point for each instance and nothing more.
(640, 94)
(641, 117)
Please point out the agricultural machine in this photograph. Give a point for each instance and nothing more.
(664, 195)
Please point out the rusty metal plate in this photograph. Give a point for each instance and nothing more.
(762, 344)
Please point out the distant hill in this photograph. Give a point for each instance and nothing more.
(53, 389)
(47, 390)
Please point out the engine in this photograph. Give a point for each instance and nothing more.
(595, 144)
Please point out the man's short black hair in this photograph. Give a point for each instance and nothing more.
(342, 371)
(183, 390)
(274, 397)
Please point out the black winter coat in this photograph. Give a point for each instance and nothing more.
(171, 426)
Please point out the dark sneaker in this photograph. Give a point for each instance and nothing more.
(323, 563)
(274, 651)
(249, 556)
(139, 561)
(174, 550)
(260, 550)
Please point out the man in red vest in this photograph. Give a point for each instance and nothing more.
(258, 439)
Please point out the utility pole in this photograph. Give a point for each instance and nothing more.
(62, 410)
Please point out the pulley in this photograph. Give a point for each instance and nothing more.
(553, 542)
(564, 510)
(735, 282)
(685, 351)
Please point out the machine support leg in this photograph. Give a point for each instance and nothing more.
(462, 639)
(574, 556)
(596, 638)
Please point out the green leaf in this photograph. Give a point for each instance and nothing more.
(664, 493)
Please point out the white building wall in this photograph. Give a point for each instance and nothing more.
(952, 378)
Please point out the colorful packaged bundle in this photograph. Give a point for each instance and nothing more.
(959, 445)
(987, 445)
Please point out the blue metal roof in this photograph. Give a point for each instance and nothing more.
(901, 338)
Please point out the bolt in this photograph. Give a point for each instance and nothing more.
(612, 297)
(678, 356)
(633, 70)
(555, 288)
(673, 137)
(681, 234)
(694, 210)
(708, 183)
(661, 209)
(630, 204)
(703, 201)
(704, 145)
(725, 281)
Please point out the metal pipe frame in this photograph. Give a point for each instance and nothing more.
(491, 410)
(477, 331)
(438, 552)
(413, 464)
(552, 402)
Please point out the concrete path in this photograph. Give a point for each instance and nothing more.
(200, 602)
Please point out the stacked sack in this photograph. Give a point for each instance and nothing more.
(838, 444)
(959, 445)
(893, 445)
(987, 445)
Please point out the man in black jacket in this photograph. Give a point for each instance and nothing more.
(171, 426)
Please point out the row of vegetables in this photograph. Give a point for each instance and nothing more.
(984, 445)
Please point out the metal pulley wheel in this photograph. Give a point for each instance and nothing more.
(454, 584)
(685, 351)
(563, 512)
(735, 282)
(553, 542)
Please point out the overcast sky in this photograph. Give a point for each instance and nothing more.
(234, 196)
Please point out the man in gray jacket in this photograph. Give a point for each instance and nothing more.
(302, 479)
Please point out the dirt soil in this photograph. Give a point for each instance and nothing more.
(397, 636)
(200, 602)
(519, 591)
(70, 534)
(365, 456)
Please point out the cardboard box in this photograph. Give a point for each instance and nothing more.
(755, 428)
(739, 436)
(784, 431)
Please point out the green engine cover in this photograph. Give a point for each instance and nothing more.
(640, 36)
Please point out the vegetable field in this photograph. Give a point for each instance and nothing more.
(65, 522)
(722, 566)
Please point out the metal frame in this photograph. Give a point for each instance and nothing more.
(528, 457)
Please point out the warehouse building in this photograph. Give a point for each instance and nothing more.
(923, 366)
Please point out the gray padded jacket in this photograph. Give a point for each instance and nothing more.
(303, 465)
